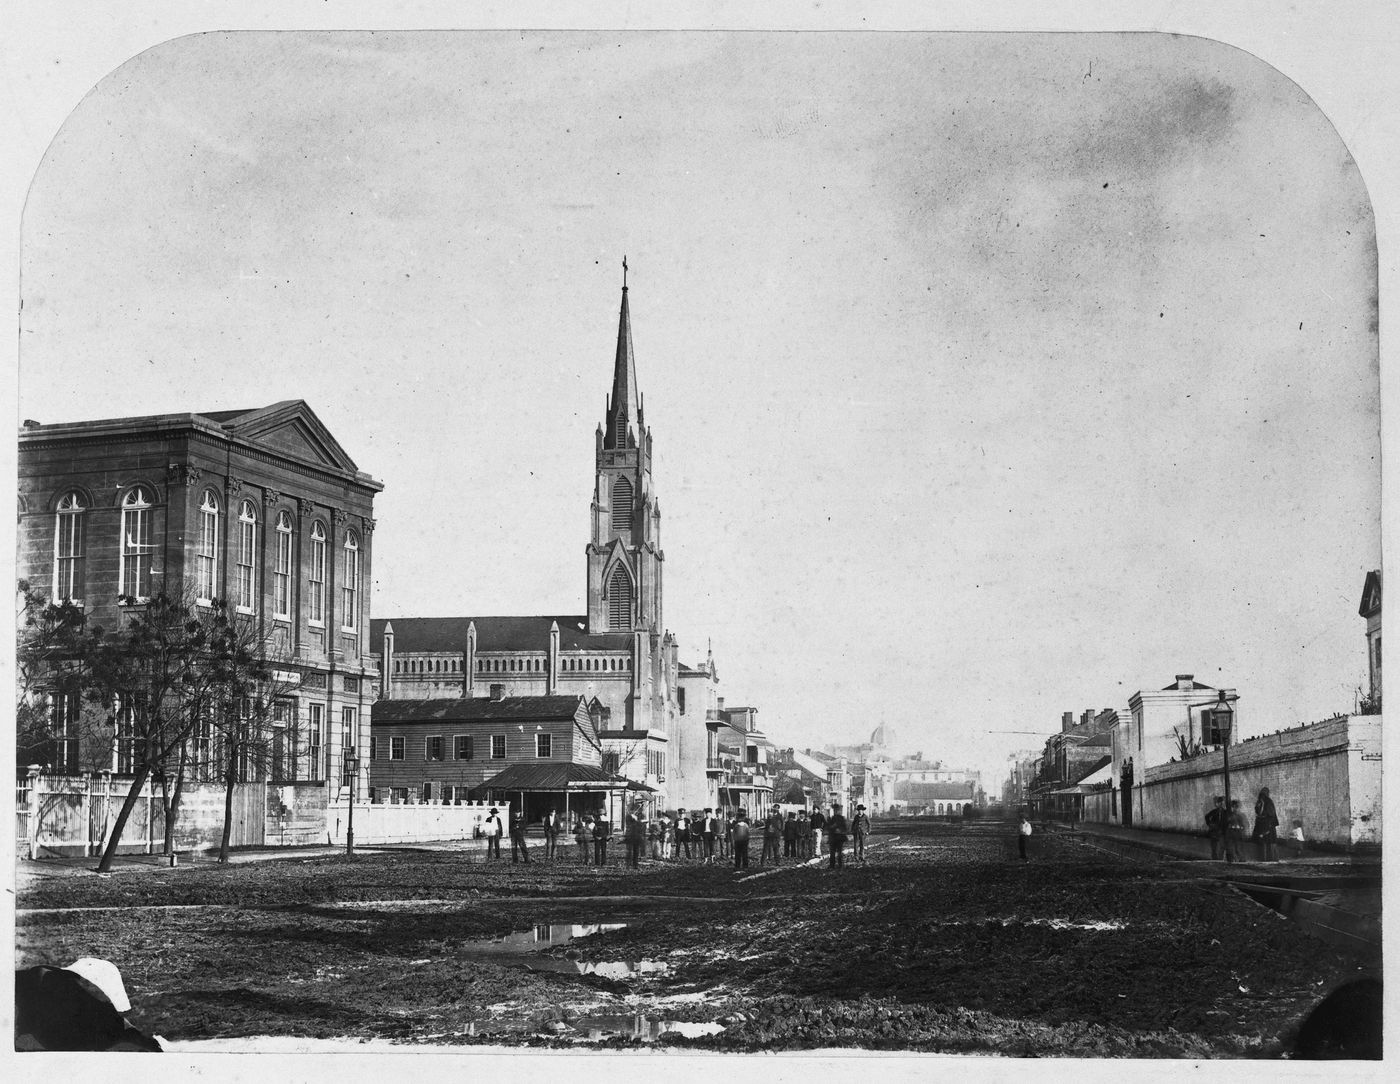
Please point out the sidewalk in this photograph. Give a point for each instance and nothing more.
(1197, 848)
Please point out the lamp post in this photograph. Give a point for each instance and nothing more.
(1222, 718)
(352, 765)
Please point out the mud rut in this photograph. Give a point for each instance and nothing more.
(944, 943)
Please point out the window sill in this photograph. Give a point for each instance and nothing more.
(282, 619)
(315, 624)
(247, 610)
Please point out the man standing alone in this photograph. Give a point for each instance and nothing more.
(860, 828)
(818, 822)
(517, 839)
(1215, 827)
(709, 830)
(836, 830)
(741, 841)
(551, 833)
(601, 831)
(1023, 836)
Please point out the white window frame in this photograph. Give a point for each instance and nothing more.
(544, 746)
(428, 748)
(282, 569)
(136, 547)
(207, 548)
(350, 583)
(396, 747)
(315, 735)
(316, 576)
(68, 549)
(502, 739)
(247, 557)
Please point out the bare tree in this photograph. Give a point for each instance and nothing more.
(160, 675)
(51, 655)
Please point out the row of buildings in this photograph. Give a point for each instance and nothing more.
(264, 510)
(1159, 761)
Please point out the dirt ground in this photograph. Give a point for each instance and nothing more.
(942, 941)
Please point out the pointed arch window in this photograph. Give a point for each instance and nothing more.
(316, 575)
(207, 553)
(135, 580)
(622, 504)
(282, 568)
(619, 599)
(247, 555)
(350, 582)
(68, 549)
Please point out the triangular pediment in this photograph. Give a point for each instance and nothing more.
(1371, 594)
(292, 428)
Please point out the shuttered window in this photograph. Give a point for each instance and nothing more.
(619, 600)
(622, 505)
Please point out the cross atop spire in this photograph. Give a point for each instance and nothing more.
(624, 415)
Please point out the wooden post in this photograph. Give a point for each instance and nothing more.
(32, 826)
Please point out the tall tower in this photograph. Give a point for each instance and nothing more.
(624, 553)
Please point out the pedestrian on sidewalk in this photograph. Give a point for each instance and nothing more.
(518, 849)
(1235, 828)
(1298, 839)
(1266, 826)
(804, 836)
(1023, 837)
(1215, 826)
(583, 836)
(493, 830)
(741, 840)
(836, 831)
(635, 835)
(601, 831)
(860, 828)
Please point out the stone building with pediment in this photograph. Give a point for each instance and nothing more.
(260, 508)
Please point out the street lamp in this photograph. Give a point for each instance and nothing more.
(352, 765)
(1221, 719)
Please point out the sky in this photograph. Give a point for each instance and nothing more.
(990, 376)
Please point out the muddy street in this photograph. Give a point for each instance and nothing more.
(942, 941)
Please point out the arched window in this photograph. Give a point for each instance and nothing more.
(136, 544)
(316, 575)
(68, 549)
(247, 554)
(619, 599)
(622, 504)
(282, 569)
(207, 552)
(350, 583)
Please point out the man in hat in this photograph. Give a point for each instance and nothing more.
(818, 823)
(78, 1007)
(517, 838)
(1215, 826)
(741, 840)
(493, 830)
(860, 828)
(551, 832)
(836, 833)
(709, 832)
(682, 833)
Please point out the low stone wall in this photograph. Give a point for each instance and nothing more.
(1326, 775)
(411, 822)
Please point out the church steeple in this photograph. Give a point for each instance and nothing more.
(624, 550)
(624, 406)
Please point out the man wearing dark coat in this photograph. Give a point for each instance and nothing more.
(836, 832)
(517, 839)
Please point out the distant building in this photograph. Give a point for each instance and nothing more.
(259, 508)
(1371, 611)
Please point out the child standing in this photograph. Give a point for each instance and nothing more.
(1297, 839)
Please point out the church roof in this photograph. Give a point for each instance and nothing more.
(465, 709)
(624, 404)
(449, 634)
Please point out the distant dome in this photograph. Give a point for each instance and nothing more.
(882, 737)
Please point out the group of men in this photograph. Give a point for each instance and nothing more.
(709, 836)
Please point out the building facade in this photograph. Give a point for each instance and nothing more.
(261, 509)
(1371, 611)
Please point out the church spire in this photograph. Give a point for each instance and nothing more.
(624, 404)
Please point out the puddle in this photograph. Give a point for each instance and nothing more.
(646, 1028)
(524, 945)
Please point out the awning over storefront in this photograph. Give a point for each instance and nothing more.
(557, 778)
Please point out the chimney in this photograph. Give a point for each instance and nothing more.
(1066, 721)
(1087, 717)
(498, 692)
(721, 703)
(1185, 682)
